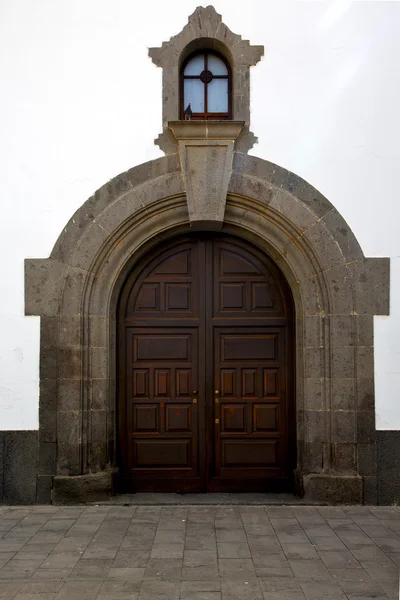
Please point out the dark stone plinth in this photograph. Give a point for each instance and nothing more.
(333, 489)
(388, 466)
(20, 455)
(92, 487)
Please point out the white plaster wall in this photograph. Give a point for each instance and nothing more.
(81, 102)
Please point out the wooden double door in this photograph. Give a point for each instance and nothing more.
(205, 366)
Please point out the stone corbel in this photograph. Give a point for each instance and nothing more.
(206, 154)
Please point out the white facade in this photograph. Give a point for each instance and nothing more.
(79, 93)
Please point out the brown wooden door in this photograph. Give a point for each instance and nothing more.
(205, 370)
(250, 334)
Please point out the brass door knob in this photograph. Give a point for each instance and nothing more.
(216, 392)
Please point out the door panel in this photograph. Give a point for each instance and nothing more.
(250, 406)
(249, 330)
(205, 370)
(163, 420)
(159, 371)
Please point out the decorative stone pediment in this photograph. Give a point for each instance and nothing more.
(205, 30)
(206, 153)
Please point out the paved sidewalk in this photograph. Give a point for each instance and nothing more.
(199, 553)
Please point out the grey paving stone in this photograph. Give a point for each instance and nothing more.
(163, 550)
(54, 574)
(280, 584)
(23, 563)
(339, 560)
(327, 543)
(172, 524)
(382, 561)
(77, 590)
(159, 590)
(190, 587)
(127, 573)
(118, 596)
(136, 544)
(262, 545)
(69, 512)
(200, 514)
(69, 545)
(391, 588)
(9, 546)
(309, 569)
(145, 529)
(274, 571)
(231, 535)
(200, 573)
(354, 589)
(101, 551)
(270, 560)
(169, 535)
(297, 537)
(112, 587)
(241, 590)
(378, 531)
(197, 542)
(165, 568)
(200, 529)
(318, 590)
(91, 568)
(300, 552)
(145, 514)
(131, 558)
(203, 596)
(394, 557)
(279, 512)
(317, 531)
(44, 596)
(21, 573)
(349, 575)
(42, 587)
(199, 558)
(284, 595)
(58, 525)
(61, 560)
(289, 524)
(382, 572)
(228, 523)
(5, 557)
(233, 550)
(388, 544)
(331, 512)
(8, 589)
(259, 530)
(236, 568)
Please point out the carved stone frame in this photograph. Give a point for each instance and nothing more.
(336, 292)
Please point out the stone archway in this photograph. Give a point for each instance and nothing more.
(336, 291)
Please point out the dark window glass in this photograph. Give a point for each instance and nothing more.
(206, 86)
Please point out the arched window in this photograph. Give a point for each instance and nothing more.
(206, 85)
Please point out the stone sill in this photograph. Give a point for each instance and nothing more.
(206, 130)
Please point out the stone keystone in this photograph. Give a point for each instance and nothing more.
(206, 153)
